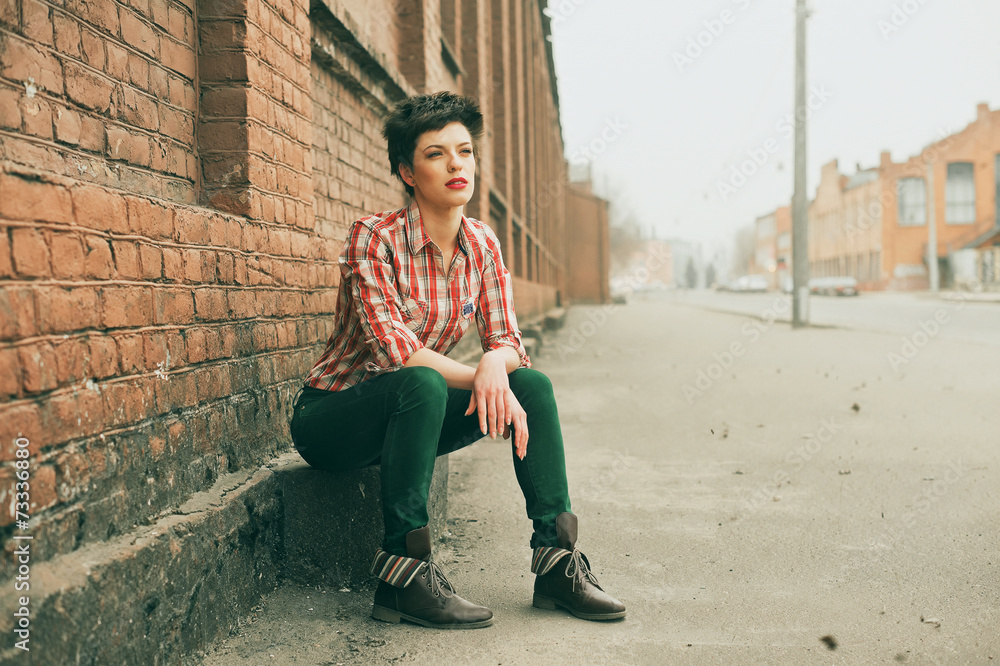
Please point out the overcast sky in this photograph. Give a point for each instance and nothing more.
(677, 119)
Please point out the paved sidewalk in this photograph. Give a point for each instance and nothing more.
(754, 494)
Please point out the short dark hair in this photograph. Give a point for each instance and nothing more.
(415, 115)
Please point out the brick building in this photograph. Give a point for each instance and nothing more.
(873, 225)
(176, 181)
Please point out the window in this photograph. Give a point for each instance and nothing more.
(912, 196)
(960, 194)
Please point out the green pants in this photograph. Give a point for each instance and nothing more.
(403, 420)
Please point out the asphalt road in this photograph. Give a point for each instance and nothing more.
(754, 494)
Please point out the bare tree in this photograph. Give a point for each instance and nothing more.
(744, 244)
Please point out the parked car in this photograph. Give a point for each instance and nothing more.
(746, 284)
(841, 285)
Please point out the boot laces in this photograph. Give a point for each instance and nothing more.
(440, 585)
(578, 571)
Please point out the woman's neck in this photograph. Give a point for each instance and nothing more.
(441, 224)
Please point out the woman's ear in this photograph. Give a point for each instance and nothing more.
(406, 174)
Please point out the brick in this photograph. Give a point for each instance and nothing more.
(126, 256)
(20, 420)
(22, 198)
(102, 357)
(10, 373)
(154, 351)
(173, 264)
(70, 360)
(139, 150)
(178, 23)
(179, 125)
(98, 261)
(159, 13)
(67, 256)
(150, 262)
(192, 266)
(125, 306)
(139, 34)
(129, 353)
(191, 226)
(175, 347)
(64, 309)
(159, 82)
(180, 57)
(88, 88)
(210, 304)
(67, 35)
(67, 126)
(123, 404)
(38, 367)
(43, 489)
(138, 110)
(97, 208)
(92, 134)
(10, 111)
(93, 49)
(37, 118)
(31, 253)
(150, 219)
(119, 144)
(17, 313)
(36, 21)
(194, 342)
(24, 62)
(103, 15)
(226, 268)
(6, 262)
(138, 71)
(72, 469)
(117, 65)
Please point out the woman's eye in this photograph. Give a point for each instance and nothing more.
(467, 151)
(434, 154)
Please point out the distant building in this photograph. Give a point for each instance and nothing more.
(873, 225)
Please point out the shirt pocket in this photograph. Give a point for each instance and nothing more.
(414, 312)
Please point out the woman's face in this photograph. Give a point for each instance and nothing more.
(444, 168)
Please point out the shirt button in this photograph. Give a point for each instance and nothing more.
(438, 326)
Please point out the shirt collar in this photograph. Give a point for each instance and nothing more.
(417, 236)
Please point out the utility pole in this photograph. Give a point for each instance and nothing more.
(932, 259)
(800, 207)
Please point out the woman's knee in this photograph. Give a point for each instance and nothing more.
(424, 383)
(528, 381)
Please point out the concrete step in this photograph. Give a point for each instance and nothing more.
(165, 591)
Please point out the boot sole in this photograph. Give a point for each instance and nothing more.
(389, 615)
(548, 603)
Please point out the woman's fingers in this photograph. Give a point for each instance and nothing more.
(472, 404)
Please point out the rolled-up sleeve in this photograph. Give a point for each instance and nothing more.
(366, 266)
(496, 320)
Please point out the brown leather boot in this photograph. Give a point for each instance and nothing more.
(565, 580)
(415, 589)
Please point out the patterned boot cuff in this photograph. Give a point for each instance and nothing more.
(545, 557)
(396, 570)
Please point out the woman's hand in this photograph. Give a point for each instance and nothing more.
(494, 401)
(488, 394)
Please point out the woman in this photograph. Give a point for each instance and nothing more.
(384, 391)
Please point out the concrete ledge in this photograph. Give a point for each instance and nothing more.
(333, 521)
(163, 592)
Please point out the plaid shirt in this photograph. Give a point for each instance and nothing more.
(395, 299)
